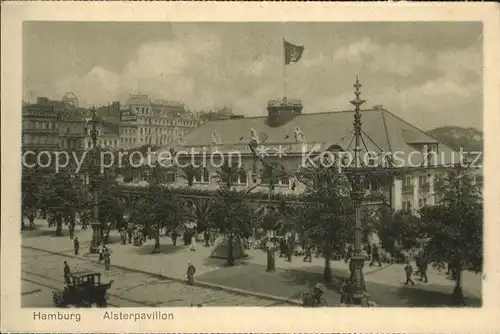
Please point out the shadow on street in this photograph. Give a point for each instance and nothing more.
(313, 276)
(164, 249)
(222, 263)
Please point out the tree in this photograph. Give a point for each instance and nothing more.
(155, 210)
(328, 217)
(455, 227)
(201, 212)
(60, 198)
(30, 189)
(231, 217)
(230, 212)
(399, 231)
(111, 205)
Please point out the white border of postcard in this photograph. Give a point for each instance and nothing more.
(232, 319)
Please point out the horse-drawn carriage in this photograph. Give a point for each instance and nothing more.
(83, 290)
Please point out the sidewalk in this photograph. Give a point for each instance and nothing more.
(170, 261)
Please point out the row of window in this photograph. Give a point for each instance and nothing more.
(167, 122)
(71, 143)
(423, 181)
(128, 131)
(143, 110)
(29, 139)
(73, 129)
(40, 125)
(109, 143)
(132, 141)
(159, 130)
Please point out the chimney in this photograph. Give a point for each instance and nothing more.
(42, 100)
(282, 111)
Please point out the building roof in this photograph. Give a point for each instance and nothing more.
(141, 100)
(173, 110)
(382, 132)
(73, 116)
(415, 136)
(110, 129)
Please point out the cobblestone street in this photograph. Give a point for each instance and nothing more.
(146, 279)
(42, 273)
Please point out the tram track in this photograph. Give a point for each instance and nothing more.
(134, 303)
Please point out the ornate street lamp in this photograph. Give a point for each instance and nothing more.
(97, 228)
(356, 176)
(359, 176)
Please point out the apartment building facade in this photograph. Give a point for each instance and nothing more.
(155, 123)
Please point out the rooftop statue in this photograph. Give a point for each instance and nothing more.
(299, 136)
(180, 139)
(216, 138)
(254, 136)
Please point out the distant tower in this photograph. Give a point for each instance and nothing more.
(71, 99)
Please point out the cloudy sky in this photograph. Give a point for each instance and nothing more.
(428, 73)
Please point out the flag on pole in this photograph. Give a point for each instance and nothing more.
(292, 52)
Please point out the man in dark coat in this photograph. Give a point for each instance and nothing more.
(107, 258)
(76, 245)
(423, 268)
(191, 270)
(67, 273)
(375, 256)
(308, 252)
(408, 272)
(31, 219)
(174, 238)
(289, 248)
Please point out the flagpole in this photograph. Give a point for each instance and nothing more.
(284, 68)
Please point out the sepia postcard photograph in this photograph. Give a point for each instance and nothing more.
(171, 168)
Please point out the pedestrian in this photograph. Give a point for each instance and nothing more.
(308, 252)
(282, 247)
(67, 273)
(289, 250)
(419, 264)
(315, 297)
(191, 270)
(193, 243)
(107, 258)
(423, 269)
(100, 250)
(174, 238)
(345, 288)
(408, 272)
(123, 236)
(76, 245)
(130, 234)
(31, 219)
(375, 256)
(206, 237)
